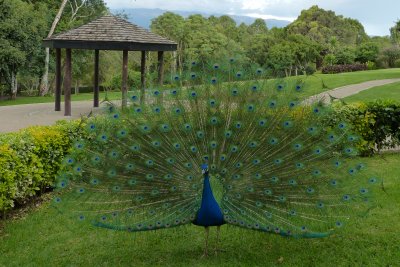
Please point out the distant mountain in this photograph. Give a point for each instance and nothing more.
(143, 16)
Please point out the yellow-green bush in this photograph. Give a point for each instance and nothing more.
(31, 158)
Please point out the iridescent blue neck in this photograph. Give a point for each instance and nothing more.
(209, 213)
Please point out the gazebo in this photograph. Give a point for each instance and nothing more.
(105, 33)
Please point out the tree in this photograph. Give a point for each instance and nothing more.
(367, 52)
(69, 14)
(258, 47)
(304, 49)
(258, 27)
(345, 55)
(225, 25)
(330, 31)
(171, 26)
(395, 33)
(391, 54)
(202, 41)
(44, 86)
(21, 31)
(281, 59)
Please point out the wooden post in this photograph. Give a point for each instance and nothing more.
(67, 82)
(58, 80)
(96, 79)
(142, 76)
(124, 78)
(160, 67)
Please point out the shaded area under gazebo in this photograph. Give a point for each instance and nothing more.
(105, 33)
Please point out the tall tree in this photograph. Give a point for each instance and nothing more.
(44, 86)
(21, 31)
(64, 16)
(258, 27)
(395, 32)
(171, 26)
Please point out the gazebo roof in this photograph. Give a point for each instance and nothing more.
(110, 33)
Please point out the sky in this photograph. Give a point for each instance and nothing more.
(377, 16)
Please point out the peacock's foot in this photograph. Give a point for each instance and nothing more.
(205, 255)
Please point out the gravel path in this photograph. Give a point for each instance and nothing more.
(13, 118)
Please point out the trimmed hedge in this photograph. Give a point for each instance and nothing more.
(30, 160)
(343, 68)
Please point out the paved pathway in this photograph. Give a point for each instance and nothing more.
(13, 118)
(348, 90)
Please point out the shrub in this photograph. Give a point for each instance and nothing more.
(8, 186)
(31, 158)
(371, 65)
(343, 68)
(397, 63)
(116, 82)
(377, 123)
(310, 69)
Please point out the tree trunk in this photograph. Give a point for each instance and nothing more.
(173, 62)
(14, 85)
(44, 86)
(77, 87)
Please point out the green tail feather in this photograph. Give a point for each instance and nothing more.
(281, 167)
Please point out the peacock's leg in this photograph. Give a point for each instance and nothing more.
(205, 254)
(217, 248)
(217, 245)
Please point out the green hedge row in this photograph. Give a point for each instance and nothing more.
(30, 159)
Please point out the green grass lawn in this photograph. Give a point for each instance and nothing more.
(313, 85)
(384, 92)
(48, 99)
(337, 80)
(41, 238)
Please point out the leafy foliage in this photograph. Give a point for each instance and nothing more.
(377, 123)
(30, 160)
(21, 31)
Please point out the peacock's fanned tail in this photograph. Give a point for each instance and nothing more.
(277, 163)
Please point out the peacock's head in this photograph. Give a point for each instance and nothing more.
(204, 169)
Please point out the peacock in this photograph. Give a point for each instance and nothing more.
(218, 144)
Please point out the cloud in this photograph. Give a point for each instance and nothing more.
(264, 16)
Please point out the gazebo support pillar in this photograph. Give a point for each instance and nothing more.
(142, 76)
(124, 78)
(67, 83)
(160, 67)
(58, 80)
(96, 79)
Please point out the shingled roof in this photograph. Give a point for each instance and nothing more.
(110, 33)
